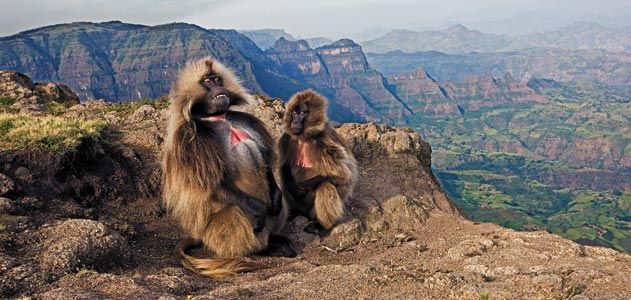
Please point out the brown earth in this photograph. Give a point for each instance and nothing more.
(90, 224)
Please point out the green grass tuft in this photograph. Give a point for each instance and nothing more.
(57, 134)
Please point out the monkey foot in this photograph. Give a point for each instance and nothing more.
(280, 246)
(314, 227)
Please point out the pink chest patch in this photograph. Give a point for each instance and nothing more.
(303, 159)
(236, 135)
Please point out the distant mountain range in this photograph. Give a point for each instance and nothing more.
(265, 38)
(609, 68)
(460, 39)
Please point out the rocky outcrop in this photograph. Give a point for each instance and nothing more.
(424, 95)
(476, 92)
(75, 243)
(30, 97)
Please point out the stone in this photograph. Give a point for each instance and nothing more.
(6, 185)
(344, 236)
(7, 206)
(469, 248)
(399, 213)
(79, 243)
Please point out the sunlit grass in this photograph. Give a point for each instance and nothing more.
(57, 134)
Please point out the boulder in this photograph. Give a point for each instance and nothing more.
(78, 243)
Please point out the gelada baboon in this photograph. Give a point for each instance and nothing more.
(217, 173)
(318, 171)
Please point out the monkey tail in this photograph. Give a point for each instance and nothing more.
(214, 267)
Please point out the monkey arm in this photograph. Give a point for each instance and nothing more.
(313, 182)
(289, 183)
(276, 197)
(252, 207)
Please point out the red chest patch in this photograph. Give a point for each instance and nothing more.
(236, 135)
(303, 159)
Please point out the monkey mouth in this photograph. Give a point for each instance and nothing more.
(219, 96)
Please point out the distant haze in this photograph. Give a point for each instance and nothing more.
(357, 19)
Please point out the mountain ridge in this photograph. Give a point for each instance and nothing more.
(458, 39)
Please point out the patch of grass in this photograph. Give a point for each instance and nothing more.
(130, 106)
(57, 134)
(55, 108)
(6, 101)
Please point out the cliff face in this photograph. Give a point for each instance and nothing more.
(341, 72)
(116, 61)
(476, 92)
(431, 99)
(424, 95)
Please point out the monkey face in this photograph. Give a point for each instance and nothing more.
(217, 99)
(298, 118)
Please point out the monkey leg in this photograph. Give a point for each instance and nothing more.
(328, 206)
(230, 234)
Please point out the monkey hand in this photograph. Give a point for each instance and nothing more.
(312, 183)
(296, 189)
(276, 203)
(256, 212)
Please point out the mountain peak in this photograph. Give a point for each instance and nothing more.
(457, 28)
(344, 43)
(284, 45)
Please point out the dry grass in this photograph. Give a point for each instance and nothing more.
(57, 134)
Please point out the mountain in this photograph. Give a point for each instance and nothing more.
(265, 38)
(455, 39)
(117, 61)
(599, 66)
(580, 35)
(341, 72)
(459, 39)
(318, 42)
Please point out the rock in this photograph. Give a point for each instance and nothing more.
(56, 92)
(21, 276)
(399, 213)
(470, 247)
(79, 243)
(344, 236)
(7, 206)
(31, 203)
(6, 185)
(23, 173)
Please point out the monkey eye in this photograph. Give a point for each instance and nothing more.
(218, 80)
(207, 80)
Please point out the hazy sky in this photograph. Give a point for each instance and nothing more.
(329, 18)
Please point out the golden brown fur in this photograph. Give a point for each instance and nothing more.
(197, 169)
(330, 158)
